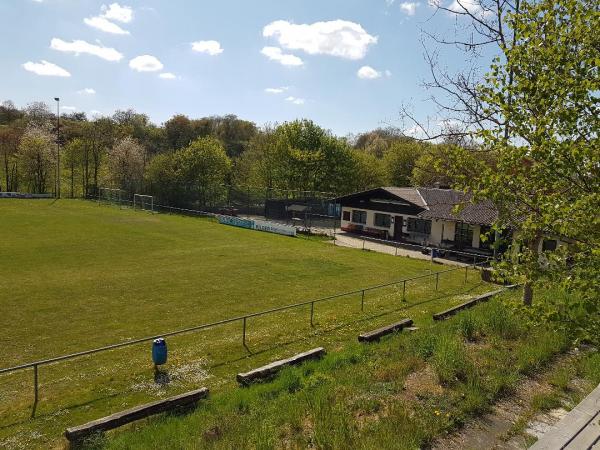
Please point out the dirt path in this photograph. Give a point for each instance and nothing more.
(502, 428)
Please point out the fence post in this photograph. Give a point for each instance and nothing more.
(244, 332)
(404, 291)
(363, 243)
(35, 389)
(362, 301)
(396, 251)
(312, 313)
(437, 280)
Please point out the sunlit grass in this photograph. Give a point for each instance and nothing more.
(77, 276)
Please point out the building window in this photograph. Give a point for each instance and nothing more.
(383, 220)
(359, 216)
(346, 215)
(419, 226)
(463, 235)
(549, 245)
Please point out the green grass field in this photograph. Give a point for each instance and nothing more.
(75, 276)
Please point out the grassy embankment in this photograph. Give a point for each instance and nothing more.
(399, 394)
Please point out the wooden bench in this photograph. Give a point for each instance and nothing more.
(578, 430)
(187, 400)
(375, 335)
(469, 304)
(271, 369)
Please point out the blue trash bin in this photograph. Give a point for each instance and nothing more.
(159, 351)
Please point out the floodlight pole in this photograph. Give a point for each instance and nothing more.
(57, 146)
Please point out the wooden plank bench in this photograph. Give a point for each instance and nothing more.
(187, 400)
(469, 304)
(375, 335)
(271, 369)
(578, 430)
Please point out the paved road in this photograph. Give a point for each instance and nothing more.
(345, 240)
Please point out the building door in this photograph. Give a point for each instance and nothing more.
(398, 222)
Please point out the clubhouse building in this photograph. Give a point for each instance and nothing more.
(423, 216)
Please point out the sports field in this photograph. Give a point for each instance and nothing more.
(75, 276)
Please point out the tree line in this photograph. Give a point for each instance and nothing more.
(185, 161)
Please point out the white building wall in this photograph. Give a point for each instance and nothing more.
(476, 233)
(440, 229)
(371, 220)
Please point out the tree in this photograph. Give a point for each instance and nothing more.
(543, 94)
(368, 172)
(399, 161)
(162, 179)
(9, 113)
(37, 158)
(126, 161)
(201, 170)
(73, 154)
(10, 137)
(258, 166)
(234, 133)
(179, 131)
(308, 158)
(99, 137)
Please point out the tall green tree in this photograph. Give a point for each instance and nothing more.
(201, 170)
(543, 94)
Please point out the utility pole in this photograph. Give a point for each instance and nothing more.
(57, 147)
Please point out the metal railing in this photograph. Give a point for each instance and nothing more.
(482, 258)
(36, 364)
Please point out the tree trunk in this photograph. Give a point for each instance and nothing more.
(528, 293)
(533, 245)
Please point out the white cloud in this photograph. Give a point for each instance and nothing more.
(336, 38)
(279, 90)
(79, 46)
(114, 11)
(46, 68)
(295, 100)
(275, 54)
(95, 112)
(88, 91)
(146, 63)
(167, 76)
(212, 48)
(68, 108)
(105, 25)
(409, 8)
(368, 73)
(472, 6)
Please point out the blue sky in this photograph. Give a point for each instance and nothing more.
(346, 64)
